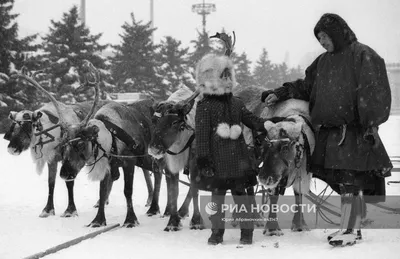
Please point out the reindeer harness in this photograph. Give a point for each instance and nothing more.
(299, 148)
(182, 126)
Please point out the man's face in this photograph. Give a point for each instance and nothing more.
(325, 41)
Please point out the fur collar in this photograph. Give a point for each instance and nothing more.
(223, 97)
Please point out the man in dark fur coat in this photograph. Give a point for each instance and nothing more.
(349, 97)
(222, 156)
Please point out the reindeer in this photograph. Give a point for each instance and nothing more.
(118, 135)
(173, 141)
(39, 131)
(284, 151)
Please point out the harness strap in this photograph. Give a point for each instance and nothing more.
(308, 123)
(308, 150)
(188, 144)
(120, 134)
(53, 119)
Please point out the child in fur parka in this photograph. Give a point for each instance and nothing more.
(222, 156)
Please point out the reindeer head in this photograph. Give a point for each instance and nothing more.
(77, 144)
(282, 151)
(169, 121)
(78, 150)
(21, 132)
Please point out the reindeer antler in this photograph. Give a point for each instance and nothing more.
(92, 78)
(227, 40)
(26, 75)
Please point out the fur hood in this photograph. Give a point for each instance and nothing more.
(337, 29)
(215, 75)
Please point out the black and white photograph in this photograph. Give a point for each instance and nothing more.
(199, 129)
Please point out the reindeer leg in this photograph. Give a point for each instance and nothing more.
(114, 171)
(71, 209)
(252, 199)
(100, 219)
(272, 226)
(184, 209)
(149, 184)
(174, 223)
(154, 207)
(298, 222)
(49, 208)
(131, 219)
(168, 176)
(197, 221)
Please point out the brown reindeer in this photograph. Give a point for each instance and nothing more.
(284, 151)
(173, 141)
(117, 136)
(39, 131)
(27, 132)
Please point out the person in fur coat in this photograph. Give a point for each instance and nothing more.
(349, 97)
(223, 161)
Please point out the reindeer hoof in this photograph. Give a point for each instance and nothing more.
(273, 232)
(197, 226)
(45, 213)
(173, 228)
(131, 224)
(69, 214)
(299, 227)
(151, 213)
(197, 223)
(96, 224)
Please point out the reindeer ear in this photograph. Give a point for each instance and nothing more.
(12, 115)
(36, 115)
(268, 125)
(188, 107)
(271, 129)
(293, 129)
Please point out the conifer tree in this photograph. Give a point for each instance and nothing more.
(263, 70)
(14, 53)
(201, 47)
(68, 43)
(243, 70)
(174, 69)
(135, 65)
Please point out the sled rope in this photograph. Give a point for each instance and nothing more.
(70, 243)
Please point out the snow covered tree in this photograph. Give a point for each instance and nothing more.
(296, 73)
(201, 47)
(263, 70)
(14, 53)
(135, 64)
(66, 46)
(174, 69)
(243, 70)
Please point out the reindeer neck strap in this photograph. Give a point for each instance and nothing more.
(121, 134)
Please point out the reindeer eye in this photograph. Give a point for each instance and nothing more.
(285, 149)
(80, 146)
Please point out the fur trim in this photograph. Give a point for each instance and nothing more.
(223, 130)
(102, 167)
(208, 75)
(236, 130)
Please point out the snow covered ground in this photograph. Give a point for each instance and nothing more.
(23, 195)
